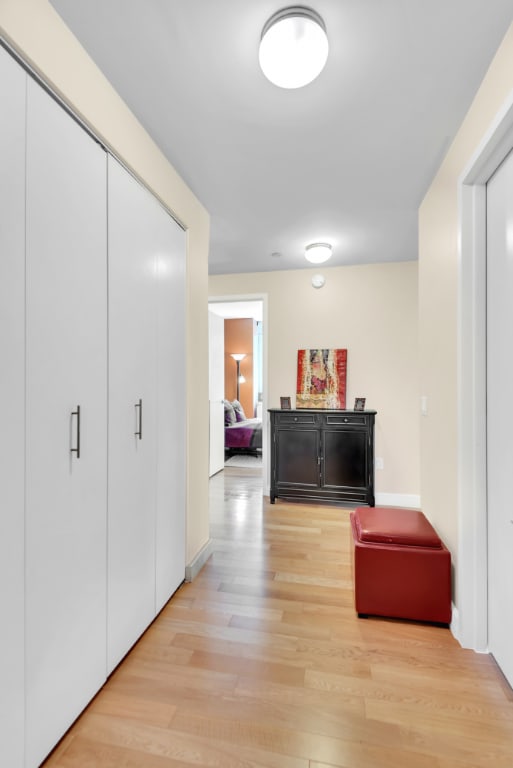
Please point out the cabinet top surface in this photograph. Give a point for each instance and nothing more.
(317, 410)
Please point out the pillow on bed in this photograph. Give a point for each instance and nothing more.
(239, 411)
(229, 414)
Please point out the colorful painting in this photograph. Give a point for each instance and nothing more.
(321, 378)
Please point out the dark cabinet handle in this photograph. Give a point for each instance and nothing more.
(77, 447)
(139, 431)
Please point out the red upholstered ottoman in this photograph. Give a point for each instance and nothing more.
(401, 567)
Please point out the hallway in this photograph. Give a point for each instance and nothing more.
(262, 662)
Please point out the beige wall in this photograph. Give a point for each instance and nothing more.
(438, 302)
(36, 32)
(370, 310)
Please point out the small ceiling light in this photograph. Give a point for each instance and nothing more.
(293, 47)
(317, 253)
(318, 281)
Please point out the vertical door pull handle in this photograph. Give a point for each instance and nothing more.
(139, 407)
(77, 446)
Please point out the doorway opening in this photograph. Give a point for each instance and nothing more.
(238, 329)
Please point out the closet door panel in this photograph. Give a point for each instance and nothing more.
(171, 397)
(12, 396)
(66, 367)
(132, 380)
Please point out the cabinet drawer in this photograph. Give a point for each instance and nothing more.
(331, 419)
(296, 418)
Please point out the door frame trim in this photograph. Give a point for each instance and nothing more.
(263, 298)
(471, 628)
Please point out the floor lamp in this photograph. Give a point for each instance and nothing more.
(238, 356)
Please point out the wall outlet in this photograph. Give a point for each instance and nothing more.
(379, 463)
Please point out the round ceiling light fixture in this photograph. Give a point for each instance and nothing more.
(318, 253)
(293, 47)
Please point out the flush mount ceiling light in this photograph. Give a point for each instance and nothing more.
(317, 253)
(293, 47)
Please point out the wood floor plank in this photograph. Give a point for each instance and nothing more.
(175, 745)
(250, 651)
(261, 662)
(91, 753)
(320, 630)
(292, 742)
(264, 670)
(116, 704)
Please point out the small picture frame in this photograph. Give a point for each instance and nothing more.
(359, 404)
(285, 403)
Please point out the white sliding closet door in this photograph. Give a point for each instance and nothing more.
(146, 550)
(499, 415)
(12, 396)
(133, 268)
(171, 394)
(66, 492)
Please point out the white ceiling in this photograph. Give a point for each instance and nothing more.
(346, 159)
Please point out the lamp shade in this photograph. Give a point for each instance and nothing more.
(294, 47)
(317, 253)
(238, 355)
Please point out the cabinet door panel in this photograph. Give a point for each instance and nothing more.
(12, 396)
(132, 377)
(171, 384)
(344, 458)
(66, 306)
(297, 457)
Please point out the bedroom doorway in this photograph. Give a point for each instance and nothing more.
(238, 321)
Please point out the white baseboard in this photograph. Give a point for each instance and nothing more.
(455, 623)
(456, 631)
(398, 500)
(197, 563)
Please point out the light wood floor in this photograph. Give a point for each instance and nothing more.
(262, 662)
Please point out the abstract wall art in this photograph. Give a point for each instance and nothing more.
(321, 378)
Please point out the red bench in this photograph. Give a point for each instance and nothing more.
(401, 568)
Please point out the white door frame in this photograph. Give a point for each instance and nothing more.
(471, 626)
(263, 297)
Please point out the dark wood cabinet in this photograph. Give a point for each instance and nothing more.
(322, 455)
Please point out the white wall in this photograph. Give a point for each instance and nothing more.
(372, 311)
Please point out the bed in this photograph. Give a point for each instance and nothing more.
(241, 435)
